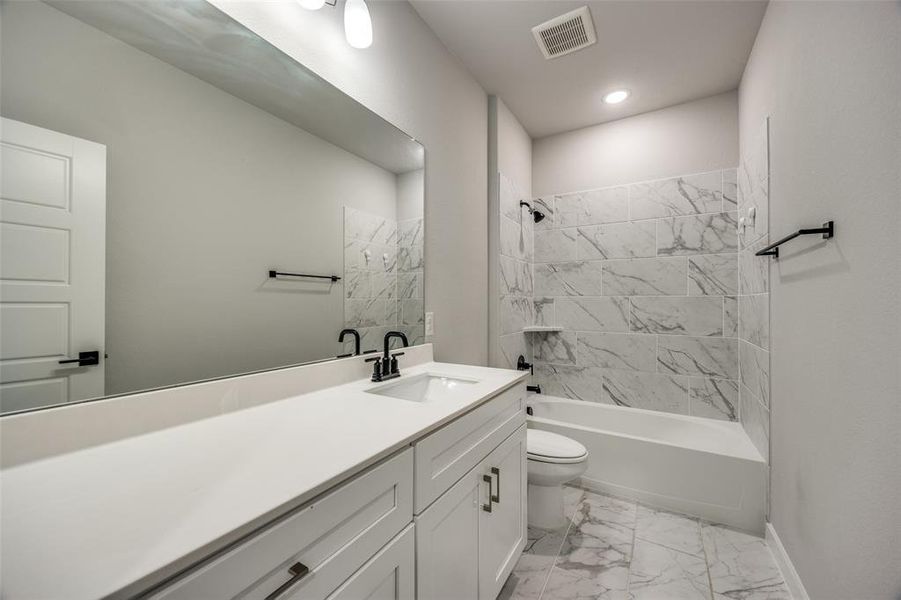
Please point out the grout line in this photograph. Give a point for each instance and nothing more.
(706, 559)
(632, 555)
(557, 554)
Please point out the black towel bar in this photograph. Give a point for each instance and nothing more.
(828, 230)
(274, 274)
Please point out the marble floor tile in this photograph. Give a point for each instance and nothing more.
(572, 499)
(606, 548)
(569, 585)
(741, 566)
(613, 549)
(600, 507)
(661, 573)
(531, 571)
(669, 529)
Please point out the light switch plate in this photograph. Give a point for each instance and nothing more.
(430, 323)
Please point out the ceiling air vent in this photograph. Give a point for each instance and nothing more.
(566, 33)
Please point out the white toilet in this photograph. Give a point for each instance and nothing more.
(553, 460)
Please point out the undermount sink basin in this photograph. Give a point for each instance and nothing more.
(423, 388)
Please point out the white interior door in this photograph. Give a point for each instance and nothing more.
(52, 266)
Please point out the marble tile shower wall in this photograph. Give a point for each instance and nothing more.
(644, 280)
(753, 299)
(383, 277)
(515, 258)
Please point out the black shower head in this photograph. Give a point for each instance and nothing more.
(538, 216)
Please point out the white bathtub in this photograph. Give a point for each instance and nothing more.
(706, 468)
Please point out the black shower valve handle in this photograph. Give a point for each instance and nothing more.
(522, 365)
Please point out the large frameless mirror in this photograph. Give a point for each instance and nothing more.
(182, 201)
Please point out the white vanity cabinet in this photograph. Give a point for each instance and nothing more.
(312, 551)
(469, 539)
(444, 518)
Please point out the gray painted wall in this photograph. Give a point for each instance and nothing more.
(409, 78)
(686, 138)
(205, 193)
(829, 76)
(410, 190)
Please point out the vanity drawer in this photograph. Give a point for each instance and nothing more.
(331, 537)
(389, 575)
(446, 455)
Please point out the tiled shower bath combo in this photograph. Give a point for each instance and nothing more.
(644, 282)
(383, 277)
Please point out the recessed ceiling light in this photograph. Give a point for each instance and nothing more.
(616, 97)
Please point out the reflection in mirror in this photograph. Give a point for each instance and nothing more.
(158, 161)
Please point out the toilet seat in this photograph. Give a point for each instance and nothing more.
(549, 447)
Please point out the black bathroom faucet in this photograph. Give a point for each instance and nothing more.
(385, 366)
(356, 335)
(388, 336)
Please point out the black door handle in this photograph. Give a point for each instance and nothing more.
(85, 359)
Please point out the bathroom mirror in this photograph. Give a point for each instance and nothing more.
(182, 201)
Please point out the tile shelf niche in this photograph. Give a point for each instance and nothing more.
(541, 329)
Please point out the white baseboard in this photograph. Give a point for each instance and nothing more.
(792, 580)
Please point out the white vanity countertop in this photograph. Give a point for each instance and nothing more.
(111, 520)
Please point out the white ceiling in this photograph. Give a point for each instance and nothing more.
(665, 52)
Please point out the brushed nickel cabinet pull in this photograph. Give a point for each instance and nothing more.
(298, 571)
(487, 507)
(497, 497)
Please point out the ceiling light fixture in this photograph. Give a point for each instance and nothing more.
(357, 24)
(616, 97)
(312, 4)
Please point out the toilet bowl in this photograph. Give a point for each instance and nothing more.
(553, 460)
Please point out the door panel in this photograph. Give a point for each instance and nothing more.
(34, 253)
(52, 265)
(29, 175)
(33, 330)
(502, 532)
(447, 542)
(21, 395)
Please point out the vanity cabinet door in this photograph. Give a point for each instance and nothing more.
(447, 542)
(443, 457)
(389, 575)
(502, 532)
